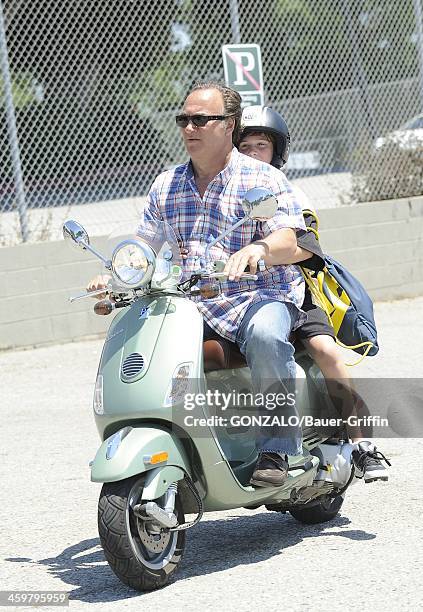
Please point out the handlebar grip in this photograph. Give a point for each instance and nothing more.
(244, 276)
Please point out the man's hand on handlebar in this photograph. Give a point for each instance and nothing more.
(98, 282)
(248, 256)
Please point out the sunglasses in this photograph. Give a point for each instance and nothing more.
(198, 120)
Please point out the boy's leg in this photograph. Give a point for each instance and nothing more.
(325, 353)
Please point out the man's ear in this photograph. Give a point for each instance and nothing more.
(230, 125)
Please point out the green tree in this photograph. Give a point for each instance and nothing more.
(326, 43)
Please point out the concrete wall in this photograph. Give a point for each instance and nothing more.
(36, 281)
(380, 242)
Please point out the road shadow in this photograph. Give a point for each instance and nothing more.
(245, 539)
(83, 566)
(212, 546)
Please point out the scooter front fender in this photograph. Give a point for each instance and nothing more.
(127, 453)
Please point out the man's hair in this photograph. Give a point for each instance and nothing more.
(231, 103)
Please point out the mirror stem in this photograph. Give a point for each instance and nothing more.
(88, 247)
(221, 236)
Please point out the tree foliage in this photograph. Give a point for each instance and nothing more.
(327, 43)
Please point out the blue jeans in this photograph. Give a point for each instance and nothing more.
(263, 338)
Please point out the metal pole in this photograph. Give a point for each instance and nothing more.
(11, 127)
(419, 24)
(236, 33)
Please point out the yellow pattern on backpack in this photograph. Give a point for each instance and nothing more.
(335, 298)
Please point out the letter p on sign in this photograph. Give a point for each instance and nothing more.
(242, 67)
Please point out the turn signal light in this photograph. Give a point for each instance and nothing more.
(104, 307)
(156, 458)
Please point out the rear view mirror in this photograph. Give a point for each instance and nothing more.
(260, 204)
(74, 233)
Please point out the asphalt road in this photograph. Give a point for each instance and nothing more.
(369, 558)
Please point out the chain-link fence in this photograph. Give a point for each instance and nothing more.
(89, 90)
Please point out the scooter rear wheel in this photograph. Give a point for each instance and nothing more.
(140, 558)
(319, 513)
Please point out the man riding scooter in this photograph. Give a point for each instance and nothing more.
(224, 211)
(200, 200)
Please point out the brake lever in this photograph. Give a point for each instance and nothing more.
(81, 296)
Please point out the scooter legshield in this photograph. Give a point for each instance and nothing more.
(129, 452)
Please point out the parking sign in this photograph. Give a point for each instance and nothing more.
(242, 67)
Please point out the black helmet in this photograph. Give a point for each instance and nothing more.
(264, 119)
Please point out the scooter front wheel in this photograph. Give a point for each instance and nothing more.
(140, 558)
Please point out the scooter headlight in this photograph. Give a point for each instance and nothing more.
(133, 263)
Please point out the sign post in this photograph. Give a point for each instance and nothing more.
(242, 68)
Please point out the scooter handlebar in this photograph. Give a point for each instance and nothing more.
(86, 294)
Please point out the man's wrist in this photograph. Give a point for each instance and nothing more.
(263, 247)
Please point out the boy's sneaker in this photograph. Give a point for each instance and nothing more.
(271, 470)
(368, 462)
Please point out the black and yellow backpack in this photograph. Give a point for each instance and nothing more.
(346, 303)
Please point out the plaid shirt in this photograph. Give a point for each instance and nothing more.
(174, 198)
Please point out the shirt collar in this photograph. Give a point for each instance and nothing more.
(224, 175)
(189, 171)
(228, 171)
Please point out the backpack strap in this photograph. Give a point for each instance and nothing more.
(312, 213)
(307, 212)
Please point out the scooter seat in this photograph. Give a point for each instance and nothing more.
(221, 354)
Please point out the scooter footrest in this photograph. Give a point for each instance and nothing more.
(307, 465)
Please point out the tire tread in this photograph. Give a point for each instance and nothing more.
(116, 545)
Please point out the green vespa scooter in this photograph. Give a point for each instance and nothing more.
(162, 456)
